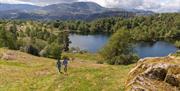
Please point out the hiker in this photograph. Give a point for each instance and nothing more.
(59, 65)
(65, 63)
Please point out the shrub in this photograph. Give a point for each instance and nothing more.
(32, 50)
(54, 51)
(119, 49)
(177, 44)
(100, 62)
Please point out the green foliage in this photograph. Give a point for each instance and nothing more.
(104, 25)
(119, 49)
(54, 51)
(63, 38)
(22, 35)
(143, 28)
(7, 39)
(177, 44)
(177, 54)
(152, 28)
(33, 37)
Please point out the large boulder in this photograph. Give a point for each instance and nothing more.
(155, 74)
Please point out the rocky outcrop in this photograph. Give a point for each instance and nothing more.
(155, 74)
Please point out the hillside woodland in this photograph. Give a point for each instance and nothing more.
(50, 38)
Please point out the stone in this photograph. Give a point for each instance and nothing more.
(155, 74)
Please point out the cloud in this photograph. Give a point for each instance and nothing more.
(154, 5)
(117, 3)
(161, 5)
(14, 2)
(170, 6)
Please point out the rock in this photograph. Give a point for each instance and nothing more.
(173, 76)
(155, 74)
(9, 56)
(172, 80)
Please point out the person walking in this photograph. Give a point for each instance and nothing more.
(59, 66)
(65, 63)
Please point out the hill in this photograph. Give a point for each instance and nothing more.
(65, 11)
(26, 72)
(22, 7)
(74, 8)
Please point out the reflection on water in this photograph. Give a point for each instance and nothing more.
(158, 49)
(93, 43)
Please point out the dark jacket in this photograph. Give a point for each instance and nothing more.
(65, 62)
(58, 63)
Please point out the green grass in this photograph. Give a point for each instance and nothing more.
(16, 64)
(32, 73)
(84, 56)
(177, 54)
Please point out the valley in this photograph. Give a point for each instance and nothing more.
(105, 45)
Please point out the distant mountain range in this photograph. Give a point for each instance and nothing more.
(64, 11)
(23, 7)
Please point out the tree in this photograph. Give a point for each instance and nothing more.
(7, 39)
(54, 51)
(119, 49)
(63, 39)
(13, 29)
(3, 38)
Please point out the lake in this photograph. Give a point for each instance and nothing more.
(92, 43)
(157, 49)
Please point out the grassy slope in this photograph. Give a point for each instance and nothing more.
(30, 73)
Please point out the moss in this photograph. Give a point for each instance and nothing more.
(155, 74)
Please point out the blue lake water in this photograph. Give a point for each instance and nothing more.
(93, 43)
(157, 49)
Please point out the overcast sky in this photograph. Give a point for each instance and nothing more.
(154, 5)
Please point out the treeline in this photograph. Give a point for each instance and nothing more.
(158, 27)
(102, 25)
(50, 38)
(33, 37)
(145, 28)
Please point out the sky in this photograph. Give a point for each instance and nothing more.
(153, 5)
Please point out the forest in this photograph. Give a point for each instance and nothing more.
(33, 37)
(145, 28)
(44, 38)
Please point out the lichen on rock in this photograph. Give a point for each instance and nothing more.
(155, 74)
